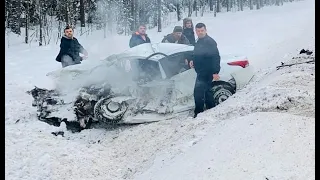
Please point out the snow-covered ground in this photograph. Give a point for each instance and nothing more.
(265, 131)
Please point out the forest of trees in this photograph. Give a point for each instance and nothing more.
(115, 16)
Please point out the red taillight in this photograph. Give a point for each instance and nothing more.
(242, 63)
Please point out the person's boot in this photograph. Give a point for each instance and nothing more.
(195, 115)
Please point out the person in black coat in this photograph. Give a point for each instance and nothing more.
(188, 30)
(206, 62)
(70, 49)
(139, 37)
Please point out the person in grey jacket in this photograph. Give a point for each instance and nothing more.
(176, 37)
(70, 49)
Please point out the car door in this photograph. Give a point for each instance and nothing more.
(180, 73)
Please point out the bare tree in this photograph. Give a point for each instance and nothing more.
(218, 7)
(202, 7)
(189, 8)
(109, 15)
(26, 39)
(14, 16)
(211, 5)
(195, 7)
(40, 24)
(159, 15)
(240, 5)
(250, 4)
(228, 5)
(178, 9)
(215, 8)
(82, 15)
(258, 4)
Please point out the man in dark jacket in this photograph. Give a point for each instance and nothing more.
(70, 49)
(176, 37)
(188, 30)
(206, 62)
(139, 37)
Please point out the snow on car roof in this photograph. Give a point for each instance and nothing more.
(147, 49)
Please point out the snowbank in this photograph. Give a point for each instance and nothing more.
(265, 131)
(262, 145)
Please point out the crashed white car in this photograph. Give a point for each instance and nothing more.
(146, 83)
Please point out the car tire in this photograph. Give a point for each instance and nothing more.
(222, 92)
(109, 112)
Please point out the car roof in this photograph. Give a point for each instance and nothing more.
(147, 49)
(142, 51)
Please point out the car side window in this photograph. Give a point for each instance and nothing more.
(175, 64)
(145, 70)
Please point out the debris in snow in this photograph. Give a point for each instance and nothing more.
(58, 133)
(303, 51)
(289, 65)
(296, 63)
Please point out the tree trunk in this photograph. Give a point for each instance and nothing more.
(189, 8)
(178, 11)
(133, 28)
(26, 39)
(215, 8)
(202, 7)
(261, 3)
(211, 5)
(228, 5)
(104, 29)
(195, 7)
(67, 16)
(250, 4)
(159, 16)
(40, 26)
(82, 15)
(218, 6)
(258, 4)
(241, 5)
(136, 11)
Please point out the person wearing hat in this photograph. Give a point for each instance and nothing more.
(176, 37)
(188, 30)
(139, 37)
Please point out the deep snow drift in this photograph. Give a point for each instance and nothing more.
(232, 141)
(264, 131)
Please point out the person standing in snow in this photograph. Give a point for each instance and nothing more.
(176, 37)
(206, 62)
(188, 30)
(70, 49)
(139, 37)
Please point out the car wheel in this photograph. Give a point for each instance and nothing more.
(108, 111)
(221, 92)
